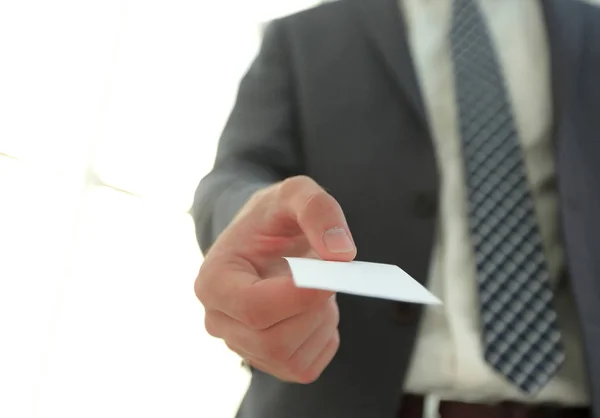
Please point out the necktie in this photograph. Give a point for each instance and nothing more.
(520, 335)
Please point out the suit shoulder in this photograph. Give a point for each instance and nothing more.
(323, 17)
(592, 12)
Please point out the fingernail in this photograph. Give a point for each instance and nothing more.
(337, 240)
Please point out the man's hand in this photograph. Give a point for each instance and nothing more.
(247, 289)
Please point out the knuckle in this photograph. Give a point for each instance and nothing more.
(235, 349)
(309, 376)
(296, 183)
(319, 202)
(276, 350)
(249, 317)
(200, 285)
(201, 289)
(210, 324)
(290, 187)
(256, 320)
(335, 342)
(231, 347)
(307, 302)
(314, 371)
(295, 368)
(252, 311)
(245, 308)
(334, 312)
(253, 318)
(205, 285)
(255, 203)
(256, 197)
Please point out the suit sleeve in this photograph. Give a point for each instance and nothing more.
(259, 144)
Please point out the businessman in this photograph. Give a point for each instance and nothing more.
(457, 139)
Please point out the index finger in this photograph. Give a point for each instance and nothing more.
(296, 205)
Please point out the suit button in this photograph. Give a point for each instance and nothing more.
(425, 205)
(405, 313)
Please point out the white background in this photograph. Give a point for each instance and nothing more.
(109, 115)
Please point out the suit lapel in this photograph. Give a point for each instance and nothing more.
(383, 22)
(565, 26)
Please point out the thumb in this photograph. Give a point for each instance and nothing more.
(318, 215)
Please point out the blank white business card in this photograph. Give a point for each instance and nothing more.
(360, 278)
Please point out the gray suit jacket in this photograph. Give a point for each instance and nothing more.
(333, 95)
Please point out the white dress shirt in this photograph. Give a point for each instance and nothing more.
(448, 360)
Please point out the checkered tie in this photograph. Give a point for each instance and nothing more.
(520, 335)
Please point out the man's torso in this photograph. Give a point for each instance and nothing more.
(365, 138)
(459, 371)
